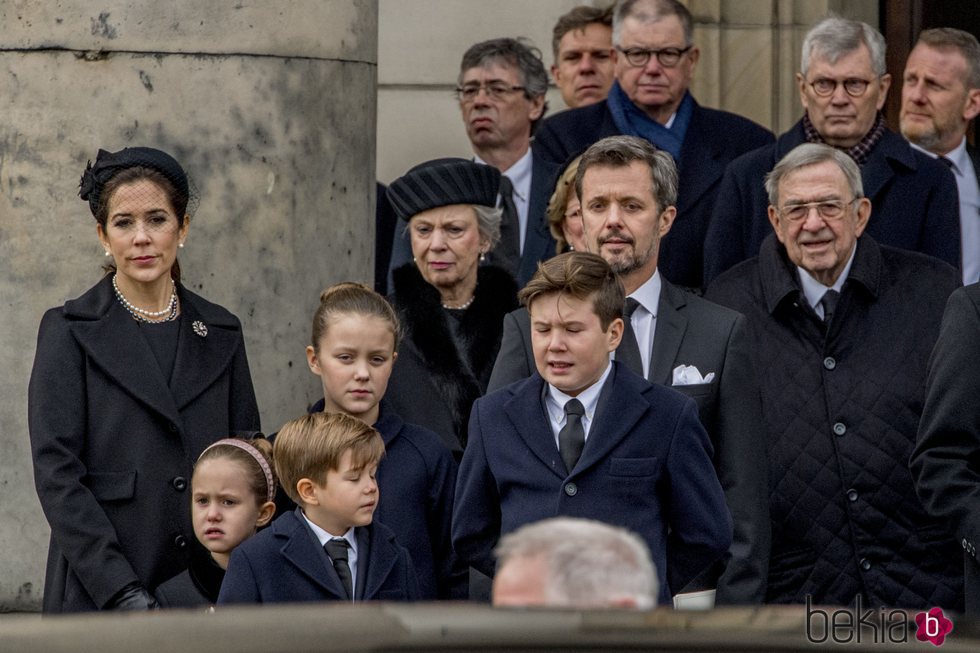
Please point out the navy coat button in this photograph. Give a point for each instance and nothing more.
(852, 495)
(180, 542)
(839, 428)
(571, 489)
(172, 427)
(865, 564)
(829, 363)
(179, 483)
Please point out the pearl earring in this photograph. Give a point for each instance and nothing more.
(107, 252)
(483, 257)
(180, 245)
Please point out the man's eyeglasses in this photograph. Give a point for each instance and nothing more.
(827, 209)
(494, 91)
(852, 85)
(668, 57)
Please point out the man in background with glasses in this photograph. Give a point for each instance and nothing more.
(843, 329)
(843, 86)
(655, 61)
(501, 93)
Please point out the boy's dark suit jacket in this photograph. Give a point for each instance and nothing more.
(646, 466)
(286, 564)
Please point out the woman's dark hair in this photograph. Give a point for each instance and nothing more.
(178, 201)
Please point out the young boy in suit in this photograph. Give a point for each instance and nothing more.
(585, 437)
(328, 549)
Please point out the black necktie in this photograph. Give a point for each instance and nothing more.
(829, 303)
(947, 162)
(507, 253)
(628, 352)
(337, 550)
(571, 438)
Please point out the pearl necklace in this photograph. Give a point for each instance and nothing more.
(141, 314)
(461, 307)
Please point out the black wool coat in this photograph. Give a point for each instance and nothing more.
(114, 442)
(841, 409)
(432, 384)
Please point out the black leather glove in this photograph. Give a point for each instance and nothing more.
(133, 597)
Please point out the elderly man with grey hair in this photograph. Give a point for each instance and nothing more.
(568, 562)
(843, 328)
(843, 86)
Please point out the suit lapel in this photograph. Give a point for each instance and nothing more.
(375, 548)
(303, 551)
(115, 344)
(619, 408)
(205, 348)
(669, 334)
(526, 413)
(537, 238)
(699, 168)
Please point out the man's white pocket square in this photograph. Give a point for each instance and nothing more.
(690, 375)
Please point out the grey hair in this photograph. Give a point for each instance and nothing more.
(650, 12)
(620, 152)
(488, 220)
(942, 38)
(833, 37)
(520, 54)
(589, 564)
(810, 154)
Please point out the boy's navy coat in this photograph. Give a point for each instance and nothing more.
(646, 466)
(286, 564)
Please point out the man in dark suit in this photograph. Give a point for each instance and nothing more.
(843, 85)
(943, 463)
(843, 328)
(940, 97)
(501, 91)
(585, 437)
(681, 340)
(655, 60)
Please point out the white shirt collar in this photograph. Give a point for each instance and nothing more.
(519, 174)
(589, 398)
(958, 156)
(648, 295)
(323, 536)
(814, 290)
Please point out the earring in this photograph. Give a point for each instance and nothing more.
(483, 257)
(181, 245)
(107, 252)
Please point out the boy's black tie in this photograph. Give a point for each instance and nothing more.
(337, 550)
(571, 438)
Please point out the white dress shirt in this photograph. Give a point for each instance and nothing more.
(814, 290)
(555, 401)
(644, 320)
(324, 537)
(520, 177)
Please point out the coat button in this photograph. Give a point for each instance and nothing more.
(180, 542)
(852, 495)
(179, 483)
(829, 363)
(571, 489)
(839, 428)
(865, 564)
(172, 427)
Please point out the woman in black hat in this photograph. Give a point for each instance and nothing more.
(450, 305)
(131, 381)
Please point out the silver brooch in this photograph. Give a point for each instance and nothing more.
(199, 328)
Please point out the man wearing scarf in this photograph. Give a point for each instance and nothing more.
(843, 86)
(655, 60)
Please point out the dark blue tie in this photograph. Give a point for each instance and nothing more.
(337, 550)
(571, 438)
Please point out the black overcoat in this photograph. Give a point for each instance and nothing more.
(114, 443)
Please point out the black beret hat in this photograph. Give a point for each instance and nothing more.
(109, 164)
(442, 182)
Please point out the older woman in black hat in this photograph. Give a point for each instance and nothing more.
(450, 305)
(131, 381)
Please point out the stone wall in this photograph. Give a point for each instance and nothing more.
(270, 106)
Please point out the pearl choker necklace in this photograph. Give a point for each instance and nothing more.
(461, 307)
(141, 314)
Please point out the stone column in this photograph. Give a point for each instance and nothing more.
(270, 106)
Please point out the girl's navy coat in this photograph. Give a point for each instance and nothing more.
(114, 443)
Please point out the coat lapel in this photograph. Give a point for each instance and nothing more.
(126, 357)
(699, 165)
(669, 334)
(619, 408)
(205, 348)
(376, 547)
(878, 171)
(302, 550)
(537, 238)
(526, 413)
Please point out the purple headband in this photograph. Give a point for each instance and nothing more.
(270, 484)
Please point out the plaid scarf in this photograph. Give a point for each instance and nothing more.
(860, 151)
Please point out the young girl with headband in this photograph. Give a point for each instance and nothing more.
(232, 495)
(354, 345)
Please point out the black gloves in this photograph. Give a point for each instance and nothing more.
(133, 597)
